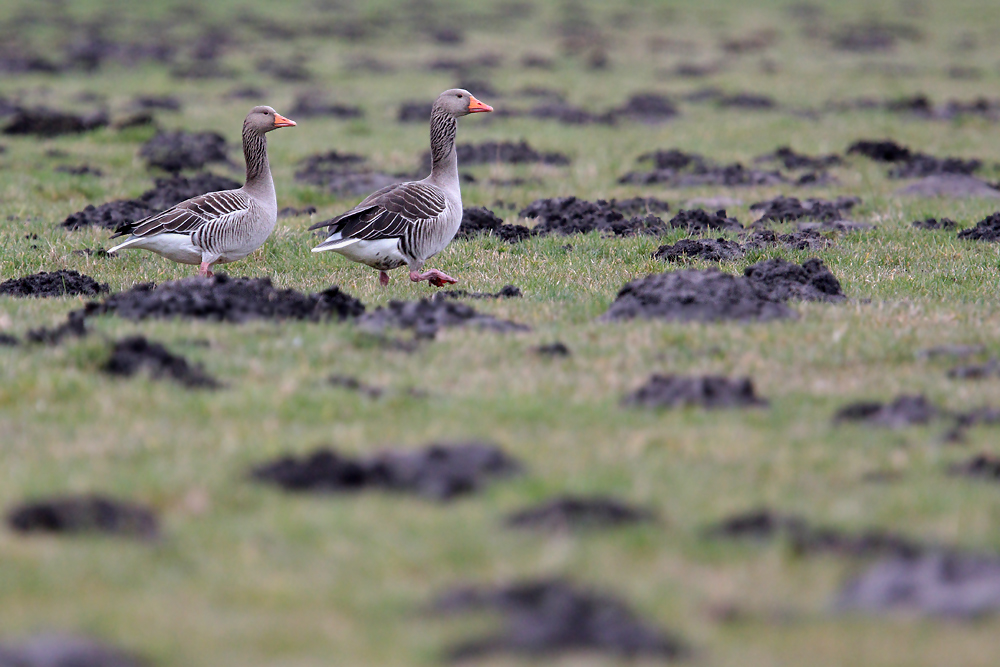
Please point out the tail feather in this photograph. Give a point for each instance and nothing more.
(335, 242)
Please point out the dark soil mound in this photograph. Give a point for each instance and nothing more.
(710, 250)
(43, 122)
(314, 104)
(79, 170)
(292, 212)
(698, 221)
(547, 618)
(481, 220)
(805, 240)
(938, 583)
(987, 229)
(976, 371)
(55, 283)
(782, 280)
(156, 102)
(691, 295)
(75, 325)
(66, 651)
(174, 151)
(792, 160)
(982, 466)
(7, 340)
(171, 191)
(130, 355)
(934, 223)
(414, 112)
(111, 215)
(338, 173)
(427, 316)
(509, 152)
(639, 206)
(966, 420)
(354, 384)
(438, 471)
(570, 115)
(569, 215)
(570, 512)
(506, 292)
(806, 538)
(904, 411)
(872, 36)
(709, 391)
(82, 514)
(703, 173)
(225, 299)
(911, 164)
(785, 209)
(556, 349)
(646, 108)
(746, 101)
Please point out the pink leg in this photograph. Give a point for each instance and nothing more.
(383, 278)
(205, 270)
(434, 277)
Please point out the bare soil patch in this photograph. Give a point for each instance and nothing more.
(903, 411)
(427, 316)
(552, 617)
(54, 283)
(43, 122)
(709, 391)
(481, 220)
(987, 229)
(566, 513)
(52, 650)
(178, 150)
(84, 514)
(131, 355)
(440, 471)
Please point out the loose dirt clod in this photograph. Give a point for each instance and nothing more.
(75, 325)
(793, 160)
(441, 471)
(982, 466)
(569, 215)
(83, 514)
(805, 538)
(177, 150)
(344, 173)
(44, 122)
(698, 221)
(987, 229)
(354, 384)
(937, 583)
(556, 349)
(911, 164)
(7, 340)
(55, 283)
(710, 250)
(111, 215)
(507, 152)
(315, 103)
(711, 295)
(809, 239)
(130, 355)
(691, 295)
(934, 223)
(506, 292)
(782, 280)
(481, 220)
(551, 617)
(66, 651)
(784, 209)
(226, 299)
(646, 108)
(676, 168)
(571, 512)
(975, 371)
(709, 391)
(427, 316)
(904, 411)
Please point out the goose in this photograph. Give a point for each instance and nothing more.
(408, 223)
(218, 227)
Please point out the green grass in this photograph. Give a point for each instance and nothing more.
(247, 576)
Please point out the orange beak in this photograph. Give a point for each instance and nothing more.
(281, 121)
(475, 106)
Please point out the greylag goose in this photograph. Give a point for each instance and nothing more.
(218, 227)
(408, 223)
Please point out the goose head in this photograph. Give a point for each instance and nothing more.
(264, 119)
(459, 102)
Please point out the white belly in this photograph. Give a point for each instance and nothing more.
(176, 247)
(381, 254)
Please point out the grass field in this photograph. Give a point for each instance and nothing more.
(245, 575)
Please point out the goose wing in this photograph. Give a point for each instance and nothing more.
(189, 215)
(387, 213)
